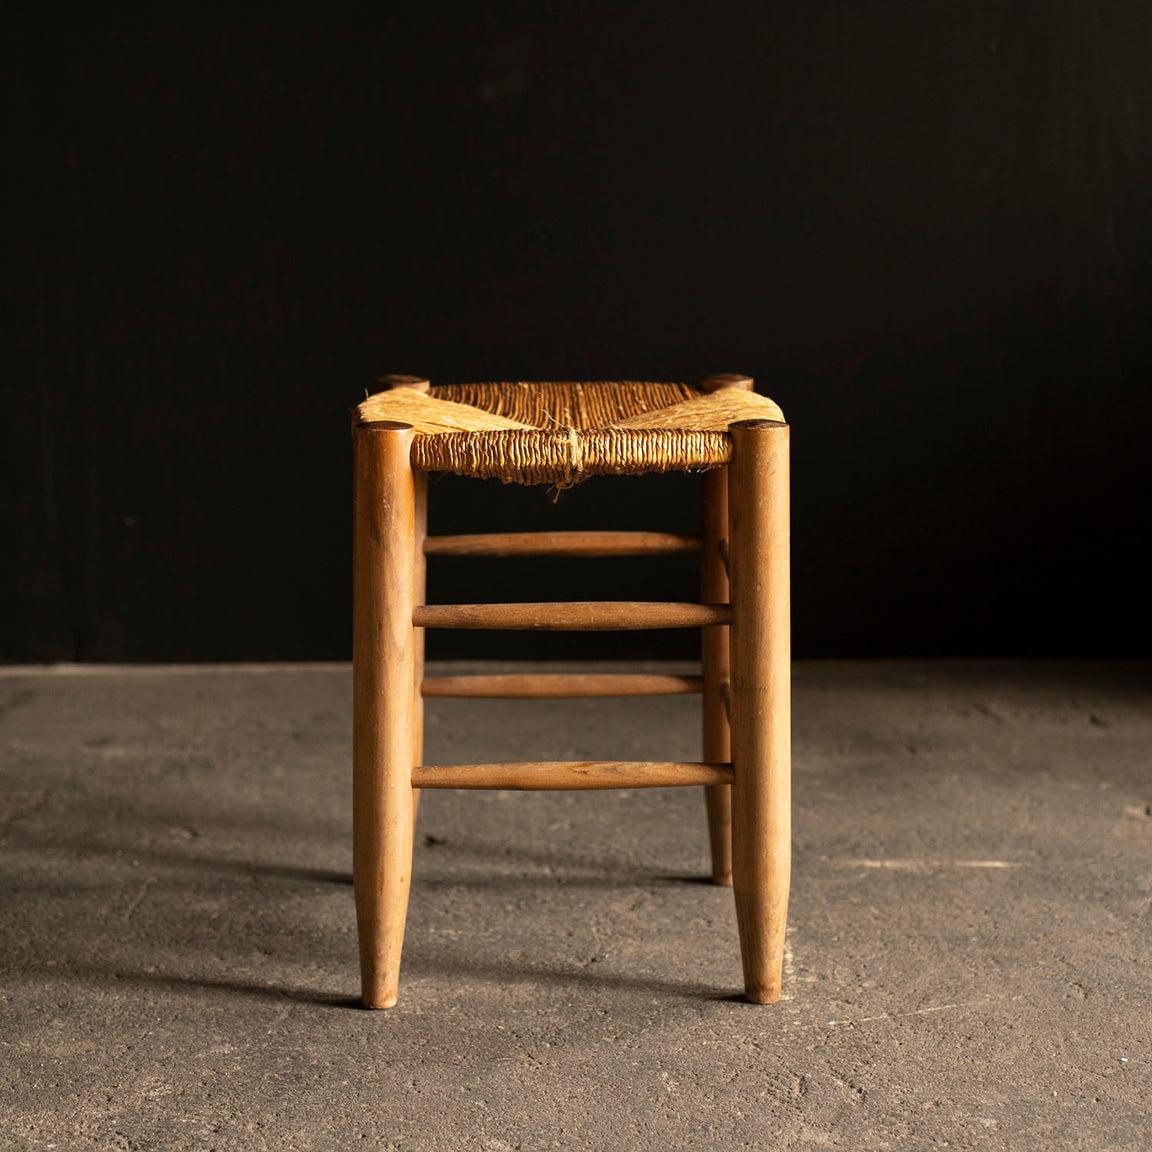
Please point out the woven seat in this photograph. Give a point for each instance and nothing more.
(560, 433)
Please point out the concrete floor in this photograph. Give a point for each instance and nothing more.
(968, 962)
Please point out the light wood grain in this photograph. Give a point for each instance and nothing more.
(565, 775)
(722, 380)
(419, 383)
(561, 685)
(574, 616)
(714, 658)
(384, 676)
(419, 585)
(562, 544)
(761, 700)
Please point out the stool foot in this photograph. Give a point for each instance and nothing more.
(382, 876)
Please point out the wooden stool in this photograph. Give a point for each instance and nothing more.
(558, 434)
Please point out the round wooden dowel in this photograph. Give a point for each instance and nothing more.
(574, 616)
(384, 679)
(572, 775)
(561, 544)
(714, 659)
(761, 700)
(560, 686)
(419, 584)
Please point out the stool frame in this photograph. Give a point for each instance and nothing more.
(745, 682)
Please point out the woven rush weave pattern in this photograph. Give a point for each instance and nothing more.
(567, 405)
(560, 433)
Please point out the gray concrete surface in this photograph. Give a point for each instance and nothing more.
(968, 961)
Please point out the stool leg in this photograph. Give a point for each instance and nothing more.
(715, 660)
(419, 589)
(761, 700)
(383, 673)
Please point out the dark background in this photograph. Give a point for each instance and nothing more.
(925, 228)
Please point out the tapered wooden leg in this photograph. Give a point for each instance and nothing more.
(419, 587)
(384, 670)
(761, 700)
(714, 658)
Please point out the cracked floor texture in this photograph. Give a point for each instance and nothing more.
(968, 959)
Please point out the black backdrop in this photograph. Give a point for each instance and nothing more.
(925, 228)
